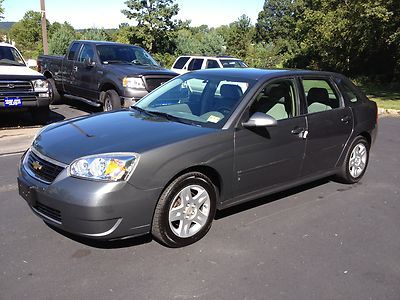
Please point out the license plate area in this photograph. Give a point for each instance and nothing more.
(27, 192)
(12, 101)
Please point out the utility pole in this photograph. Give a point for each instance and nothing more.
(44, 28)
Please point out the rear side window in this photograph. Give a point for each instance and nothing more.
(72, 51)
(212, 64)
(320, 95)
(180, 63)
(195, 64)
(348, 94)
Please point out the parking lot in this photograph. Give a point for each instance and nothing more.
(324, 240)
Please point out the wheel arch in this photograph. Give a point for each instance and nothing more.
(47, 74)
(104, 87)
(367, 136)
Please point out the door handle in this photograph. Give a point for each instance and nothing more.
(75, 68)
(297, 130)
(345, 119)
(301, 132)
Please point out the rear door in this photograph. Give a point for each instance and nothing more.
(86, 76)
(68, 67)
(266, 157)
(330, 124)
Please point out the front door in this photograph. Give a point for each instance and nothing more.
(86, 75)
(329, 125)
(266, 157)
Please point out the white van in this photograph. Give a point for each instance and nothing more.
(187, 63)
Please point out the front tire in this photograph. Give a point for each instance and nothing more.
(356, 162)
(56, 97)
(112, 101)
(185, 210)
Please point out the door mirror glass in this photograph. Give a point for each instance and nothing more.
(259, 119)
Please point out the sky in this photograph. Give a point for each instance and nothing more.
(102, 14)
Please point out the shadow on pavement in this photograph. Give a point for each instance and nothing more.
(17, 119)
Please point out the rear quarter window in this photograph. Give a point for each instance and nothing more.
(180, 63)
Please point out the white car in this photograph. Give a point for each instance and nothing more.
(22, 88)
(187, 63)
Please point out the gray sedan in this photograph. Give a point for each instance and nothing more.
(203, 141)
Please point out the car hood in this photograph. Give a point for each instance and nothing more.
(119, 131)
(8, 72)
(135, 70)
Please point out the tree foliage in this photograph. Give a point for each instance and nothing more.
(27, 34)
(1, 9)
(61, 36)
(358, 37)
(155, 23)
(95, 34)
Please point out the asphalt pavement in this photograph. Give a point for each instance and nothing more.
(324, 240)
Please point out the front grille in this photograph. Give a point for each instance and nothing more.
(42, 168)
(15, 86)
(154, 82)
(48, 212)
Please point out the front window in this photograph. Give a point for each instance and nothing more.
(196, 100)
(233, 63)
(86, 53)
(125, 54)
(10, 56)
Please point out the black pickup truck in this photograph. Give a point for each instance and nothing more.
(107, 74)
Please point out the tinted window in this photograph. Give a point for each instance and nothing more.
(232, 63)
(86, 53)
(212, 64)
(124, 54)
(195, 64)
(180, 63)
(72, 51)
(10, 56)
(277, 99)
(348, 94)
(202, 101)
(320, 95)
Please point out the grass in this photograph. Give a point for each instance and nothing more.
(387, 97)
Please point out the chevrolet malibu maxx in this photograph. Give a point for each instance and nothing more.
(201, 142)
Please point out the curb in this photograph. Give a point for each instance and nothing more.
(387, 111)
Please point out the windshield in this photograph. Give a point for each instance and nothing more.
(10, 56)
(109, 54)
(233, 63)
(195, 99)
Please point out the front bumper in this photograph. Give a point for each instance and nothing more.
(97, 210)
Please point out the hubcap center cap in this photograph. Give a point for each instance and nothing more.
(190, 211)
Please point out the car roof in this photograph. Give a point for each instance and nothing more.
(105, 43)
(256, 74)
(2, 44)
(213, 57)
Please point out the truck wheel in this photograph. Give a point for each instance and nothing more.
(55, 95)
(185, 210)
(112, 101)
(40, 115)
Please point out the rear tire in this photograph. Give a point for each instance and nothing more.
(112, 101)
(40, 115)
(185, 210)
(56, 97)
(356, 161)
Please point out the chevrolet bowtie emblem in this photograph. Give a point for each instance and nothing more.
(37, 166)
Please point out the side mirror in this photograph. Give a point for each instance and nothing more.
(89, 62)
(31, 63)
(260, 120)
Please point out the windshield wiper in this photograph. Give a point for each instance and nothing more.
(170, 117)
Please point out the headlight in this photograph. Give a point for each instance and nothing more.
(133, 82)
(40, 85)
(105, 167)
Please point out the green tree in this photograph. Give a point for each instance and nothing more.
(200, 42)
(239, 37)
(95, 34)
(155, 23)
(1, 9)
(62, 35)
(27, 34)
